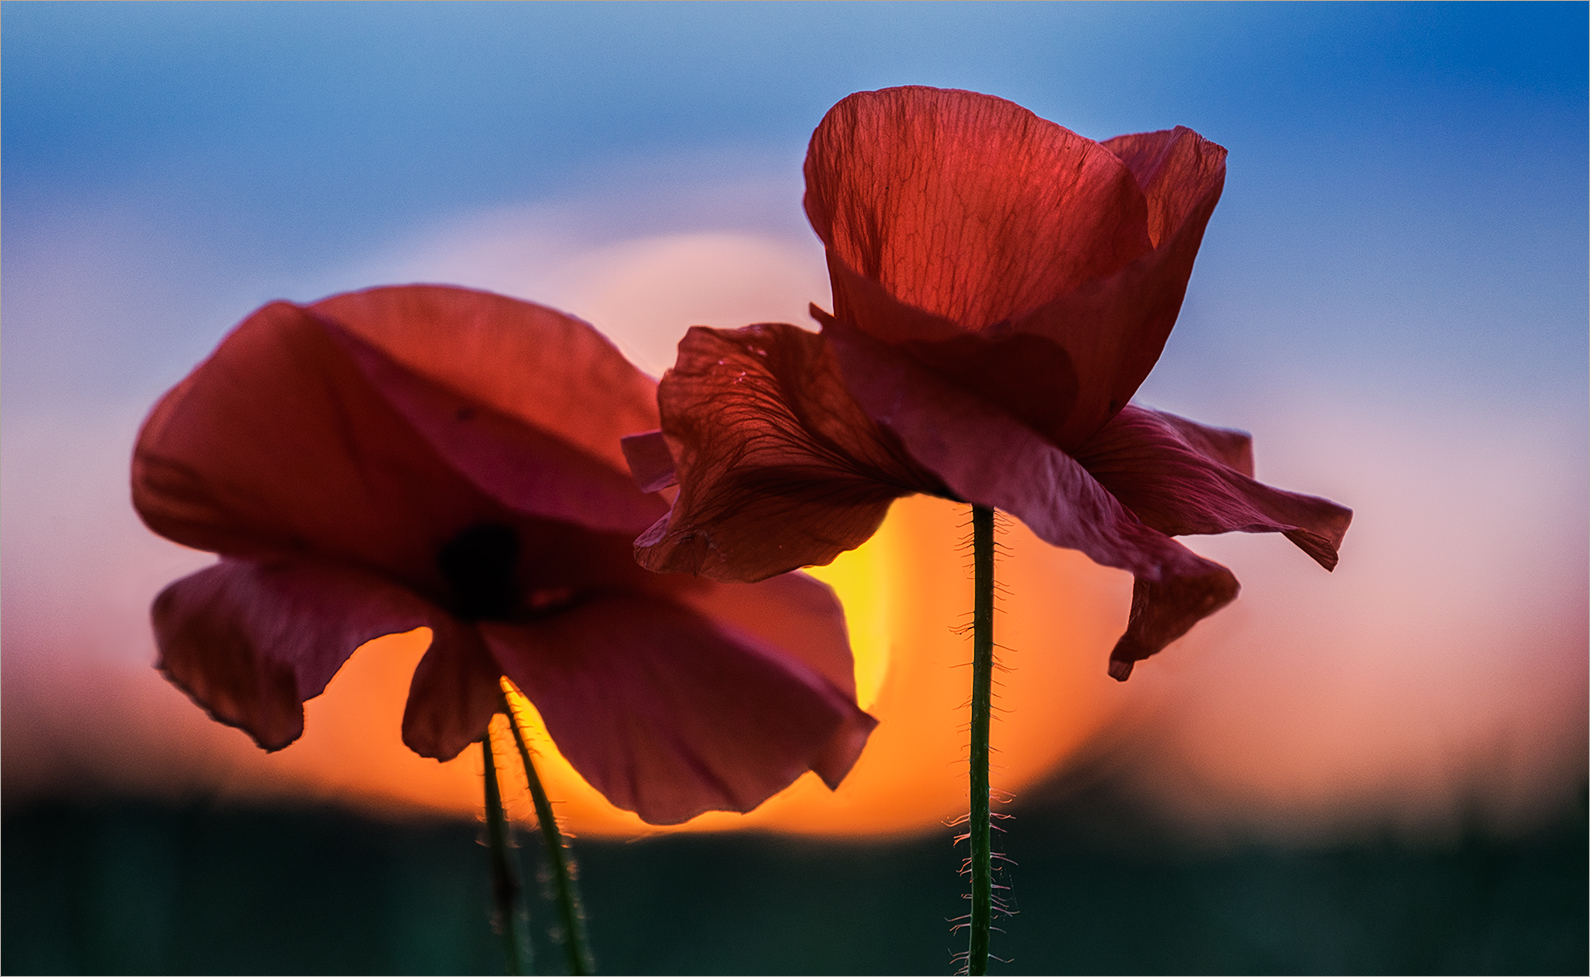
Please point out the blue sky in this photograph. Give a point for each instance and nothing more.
(1406, 184)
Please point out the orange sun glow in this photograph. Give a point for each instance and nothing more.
(905, 592)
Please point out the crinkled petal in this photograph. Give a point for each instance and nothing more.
(904, 185)
(1114, 329)
(528, 470)
(1066, 367)
(456, 689)
(546, 369)
(1176, 168)
(668, 715)
(1031, 376)
(990, 458)
(251, 640)
(278, 443)
(778, 466)
(1223, 445)
(1165, 609)
(1152, 462)
(968, 206)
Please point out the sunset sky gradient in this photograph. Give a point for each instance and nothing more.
(1391, 297)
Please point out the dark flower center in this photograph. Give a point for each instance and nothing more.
(479, 566)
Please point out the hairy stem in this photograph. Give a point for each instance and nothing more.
(979, 824)
(564, 890)
(505, 886)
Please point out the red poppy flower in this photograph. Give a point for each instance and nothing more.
(1001, 288)
(436, 457)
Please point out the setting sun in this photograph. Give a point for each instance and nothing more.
(905, 592)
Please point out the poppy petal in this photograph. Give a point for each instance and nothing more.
(801, 617)
(974, 236)
(456, 689)
(797, 614)
(1176, 168)
(988, 457)
(1223, 445)
(651, 464)
(1115, 329)
(1029, 375)
(279, 444)
(524, 360)
(967, 206)
(668, 715)
(1164, 610)
(1147, 461)
(528, 470)
(250, 641)
(778, 466)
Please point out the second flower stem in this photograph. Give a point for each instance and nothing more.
(979, 826)
(505, 885)
(565, 892)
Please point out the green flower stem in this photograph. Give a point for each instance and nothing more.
(505, 887)
(982, 700)
(565, 891)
